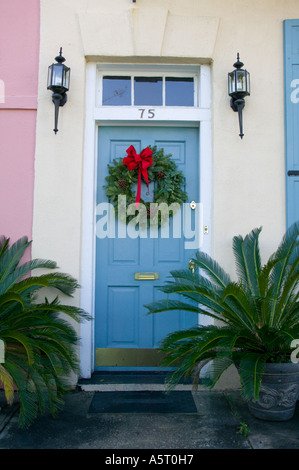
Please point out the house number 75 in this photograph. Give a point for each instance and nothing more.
(149, 113)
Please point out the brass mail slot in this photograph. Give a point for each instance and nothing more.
(146, 276)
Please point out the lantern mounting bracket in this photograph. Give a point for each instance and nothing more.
(238, 105)
(58, 100)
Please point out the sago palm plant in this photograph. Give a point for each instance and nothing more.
(39, 343)
(255, 318)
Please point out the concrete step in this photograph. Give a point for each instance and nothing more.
(130, 381)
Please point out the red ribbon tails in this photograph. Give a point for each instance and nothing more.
(143, 161)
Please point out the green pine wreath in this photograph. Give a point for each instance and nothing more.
(169, 184)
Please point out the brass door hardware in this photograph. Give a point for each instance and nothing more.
(123, 357)
(146, 276)
(192, 265)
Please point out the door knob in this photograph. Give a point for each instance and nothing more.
(192, 265)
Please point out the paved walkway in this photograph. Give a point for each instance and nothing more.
(222, 421)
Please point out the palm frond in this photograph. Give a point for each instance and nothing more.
(4, 243)
(198, 293)
(248, 261)
(251, 369)
(63, 282)
(213, 270)
(18, 369)
(264, 278)
(8, 384)
(11, 256)
(216, 368)
(11, 278)
(193, 282)
(245, 314)
(8, 298)
(20, 340)
(288, 295)
(169, 305)
(284, 254)
(190, 349)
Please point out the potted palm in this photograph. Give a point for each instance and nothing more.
(39, 343)
(256, 320)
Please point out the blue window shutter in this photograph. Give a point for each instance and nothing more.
(291, 75)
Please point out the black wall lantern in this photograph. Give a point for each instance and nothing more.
(238, 88)
(58, 82)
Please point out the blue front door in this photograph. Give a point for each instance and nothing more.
(124, 334)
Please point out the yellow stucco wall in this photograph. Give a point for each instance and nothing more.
(248, 175)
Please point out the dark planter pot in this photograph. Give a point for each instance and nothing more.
(279, 393)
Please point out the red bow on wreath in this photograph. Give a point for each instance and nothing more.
(143, 161)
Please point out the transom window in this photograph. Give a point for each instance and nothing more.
(147, 88)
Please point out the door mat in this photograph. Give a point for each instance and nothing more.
(142, 402)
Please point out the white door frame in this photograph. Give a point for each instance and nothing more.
(95, 116)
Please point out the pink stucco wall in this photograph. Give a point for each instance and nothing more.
(19, 56)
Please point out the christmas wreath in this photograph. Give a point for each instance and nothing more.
(150, 166)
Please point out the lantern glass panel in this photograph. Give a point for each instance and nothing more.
(49, 83)
(66, 77)
(231, 83)
(248, 82)
(240, 80)
(57, 76)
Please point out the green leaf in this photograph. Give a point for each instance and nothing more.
(284, 253)
(9, 297)
(248, 260)
(11, 256)
(22, 339)
(213, 270)
(251, 369)
(216, 368)
(8, 384)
